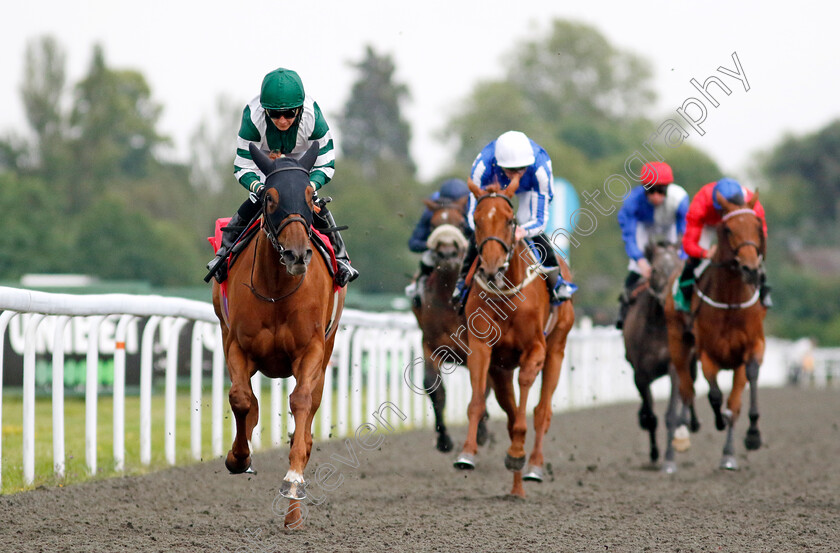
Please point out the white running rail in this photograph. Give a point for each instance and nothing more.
(375, 354)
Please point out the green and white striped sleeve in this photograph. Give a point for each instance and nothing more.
(252, 129)
(324, 168)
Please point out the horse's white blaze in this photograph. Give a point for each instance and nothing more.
(293, 476)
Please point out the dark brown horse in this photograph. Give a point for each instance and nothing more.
(436, 317)
(278, 315)
(727, 326)
(510, 323)
(646, 348)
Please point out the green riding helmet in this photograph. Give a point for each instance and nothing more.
(281, 89)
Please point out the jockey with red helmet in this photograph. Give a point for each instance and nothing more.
(703, 215)
(654, 211)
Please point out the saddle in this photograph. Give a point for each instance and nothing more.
(320, 241)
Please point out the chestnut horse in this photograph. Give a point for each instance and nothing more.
(646, 349)
(436, 317)
(278, 316)
(727, 330)
(510, 323)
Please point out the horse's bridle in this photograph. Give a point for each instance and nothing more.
(758, 247)
(508, 247)
(268, 227)
(272, 233)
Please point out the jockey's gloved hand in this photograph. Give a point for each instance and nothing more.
(257, 195)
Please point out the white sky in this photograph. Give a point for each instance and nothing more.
(193, 52)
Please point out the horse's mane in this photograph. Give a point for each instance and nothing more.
(494, 188)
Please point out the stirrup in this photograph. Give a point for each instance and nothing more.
(215, 268)
(562, 292)
(345, 273)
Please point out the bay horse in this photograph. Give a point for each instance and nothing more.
(510, 323)
(646, 349)
(726, 328)
(437, 318)
(279, 311)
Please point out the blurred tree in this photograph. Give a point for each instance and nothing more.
(113, 125)
(35, 236)
(216, 193)
(372, 126)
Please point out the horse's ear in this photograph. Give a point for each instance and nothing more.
(753, 200)
(431, 204)
(476, 191)
(462, 202)
(308, 159)
(723, 202)
(511, 189)
(265, 164)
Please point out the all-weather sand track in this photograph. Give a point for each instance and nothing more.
(599, 495)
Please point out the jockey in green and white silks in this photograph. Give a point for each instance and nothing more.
(283, 119)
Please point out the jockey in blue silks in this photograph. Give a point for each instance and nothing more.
(451, 190)
(653, 212)
(510, 154)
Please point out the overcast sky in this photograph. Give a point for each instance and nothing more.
(193, 52)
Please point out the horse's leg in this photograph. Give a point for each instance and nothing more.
(753, 439)
(294, 517)
(542, 412)
(478, 362)
(710, 371)
(647, 418)
(730, 415)
(505, 395)
(680, 349)
(482, 434)
(531, 363)
(307, 370)
(433, 384)
(241, 399)
(677, 436)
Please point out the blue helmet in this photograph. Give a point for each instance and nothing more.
(454, 189)
(730, 190)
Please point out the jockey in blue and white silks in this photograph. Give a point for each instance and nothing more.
(511, 154)
(536, 186)
(653, 212)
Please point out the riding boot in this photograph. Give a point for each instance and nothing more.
(217, 266)
(764, 291)
(325, 223)
(682, 300)
(415, 289)
(558, 289)
(459, 294)
(625, 298)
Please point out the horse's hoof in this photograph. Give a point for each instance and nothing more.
(238, 466)
(444, 443)
(728, 462)
(669, 467)
(465, 461)
(654, 454)
(681, 441)
(293, 490)
(514, 463)
(533, 474)
(694, 426)
(753, 439)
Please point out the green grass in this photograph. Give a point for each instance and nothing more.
(74, 439)
(74, 436)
